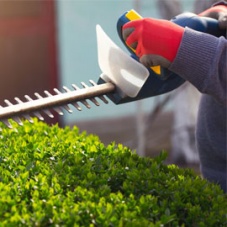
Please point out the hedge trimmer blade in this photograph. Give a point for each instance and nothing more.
(55, 102)
(121, 75)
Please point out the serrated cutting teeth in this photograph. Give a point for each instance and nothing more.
(82, 101)
(75, 104)
(17, 119)
(36, 114)
(56, 102)
(47, 112)
(92, 99)
(57, 109)
(26, 116)
(66, 107)
(100, 96)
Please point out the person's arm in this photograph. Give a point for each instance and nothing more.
(202, 60)
(211, 80)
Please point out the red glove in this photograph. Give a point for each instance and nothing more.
(214, 11)
(156, 41)
(219, 13)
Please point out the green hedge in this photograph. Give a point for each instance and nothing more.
(51, 176)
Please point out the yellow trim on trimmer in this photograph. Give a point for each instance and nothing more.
(133, 15)
(156, 69)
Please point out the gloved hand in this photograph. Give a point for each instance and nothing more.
(156, 41)
(219, 13)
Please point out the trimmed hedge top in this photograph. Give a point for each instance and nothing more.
(51, 176)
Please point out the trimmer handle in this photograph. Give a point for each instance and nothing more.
(161, 73)
(202, 24)
(161, 80)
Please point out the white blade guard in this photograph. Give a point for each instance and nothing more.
(118, 67)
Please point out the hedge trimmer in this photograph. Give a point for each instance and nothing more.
(123, 78)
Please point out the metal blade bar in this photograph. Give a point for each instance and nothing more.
(36, 105)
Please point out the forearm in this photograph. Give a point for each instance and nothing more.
(202, 60)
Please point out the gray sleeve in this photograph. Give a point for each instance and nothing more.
(202, 60)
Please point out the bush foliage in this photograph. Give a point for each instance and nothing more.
(52, 176)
